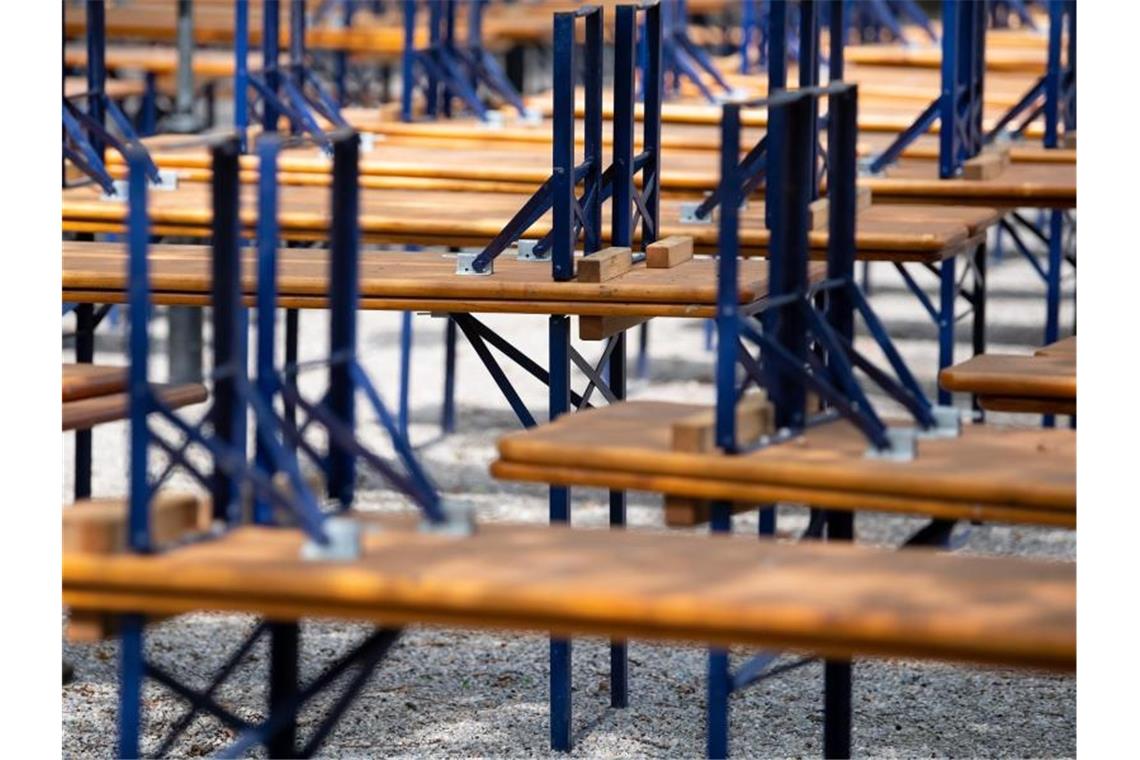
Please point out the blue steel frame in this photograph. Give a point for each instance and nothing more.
(775, 24)
(958, 108)
(223, 438)
(684, 59)
(448, 69)
(85, 135)
(294, 91)
(797, 314)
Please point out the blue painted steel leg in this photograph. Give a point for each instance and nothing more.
(84, 354)
(447, 421)
(560, 649)
(720, 675)
(978, 294)
(405, 371)
(283, 683)
(948, 295)
(643, 351)
(619, 657)
(1053, 285)
(131, 667)
(837, 673)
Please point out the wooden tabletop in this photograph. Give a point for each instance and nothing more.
(418, 280)
(87, 380)
(94, 394)
(987, 473)
(421, 217)
(1039, 185)
(1044, 383)
(816, 597)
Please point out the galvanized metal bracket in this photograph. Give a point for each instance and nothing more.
(167, 181)
(947, 423)
(527, 251)
(459, 519)
(464, 265)
(344, 542)
(902, 446)
(689, 214)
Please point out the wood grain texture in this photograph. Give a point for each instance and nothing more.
(1020, 474)
(426, 280)
(669, 252)
(1039, 376)
(87, 380)
(423, 217)
(89, 412)
(828, 599)
(604, 265)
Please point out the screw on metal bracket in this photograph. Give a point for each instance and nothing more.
(491, 120)
(344, 542)
(902, 446)
(531, 118)
(947, 423)
(167, 181)
(459, 519)
(464, 265)
(526, 251)
(689, 213)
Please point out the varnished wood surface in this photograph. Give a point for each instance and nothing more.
(1026, 60)
(823, 598)
(1064, 347)
(988, 472)
(1040, 185)
(163, 61)
(89, 412)
(183, 269)
(116, 89)
(87, 380)
(1049, 376)
(467, 218)
(464, 132)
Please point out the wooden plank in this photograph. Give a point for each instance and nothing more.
(1040, 376)
(696, 433)
(604, 265)
(897, 233)
(667, 253)
(99, 526)
(1027, 405)
(601, 328)
(428, 277)
(989, 164)
(1039, 185)
(86, 413)
(1025, 474)
(1063, 348)
(838, 600)
(86, 380)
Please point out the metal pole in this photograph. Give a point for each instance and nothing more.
(183, 119)
(343, 294)
(228, 411)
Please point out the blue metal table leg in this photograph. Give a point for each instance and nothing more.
(131, 667)
(84, 354)
(767, 525)
(447, 418)
(148, 112)
(643, 351)
(283, 682)
(948, 296)
(560, 649)
(619, 655)
(710, 332)
(405, 371)
(978, 293)
(1053, 285)
(720, 676)
(837, 673)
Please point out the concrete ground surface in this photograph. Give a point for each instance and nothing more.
(468, 693)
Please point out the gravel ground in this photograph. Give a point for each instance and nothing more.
(468, 693)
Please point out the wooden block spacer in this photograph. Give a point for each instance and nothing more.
(669, 252)
(604, 265)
